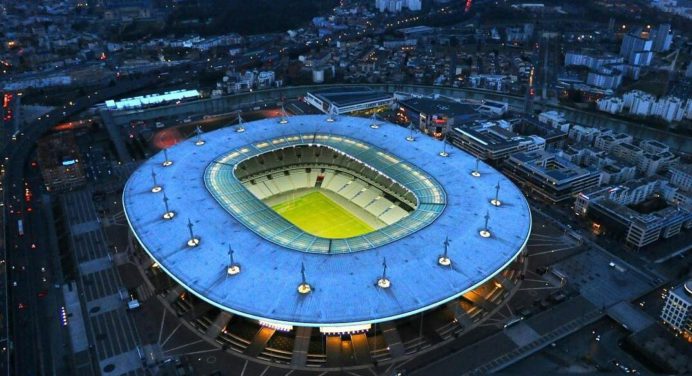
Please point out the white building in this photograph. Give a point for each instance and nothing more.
(394, 6)
(677, 312)
(653, 146)
(38, 81)
(553, 118)
(675, 195)
(681, 176)
(651, 163)
(627, 152)
(641, 103)
(617, 173)
(265, 79)
(663, 38)
(606, 142)
(605, 71)
(613, 105)
(688, 108)
(669, 108)
(604, 79)
(414, 5)
(636, 49)
(580, 133)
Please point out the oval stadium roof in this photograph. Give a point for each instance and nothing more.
(344, 288)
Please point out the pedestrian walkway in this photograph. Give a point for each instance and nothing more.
(114, 338)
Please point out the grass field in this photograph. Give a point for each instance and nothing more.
(316, 214)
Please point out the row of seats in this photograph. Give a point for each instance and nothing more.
(305, 155)
(347, 186)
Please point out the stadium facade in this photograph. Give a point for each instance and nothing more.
(442, 246)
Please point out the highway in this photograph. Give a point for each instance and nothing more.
(30, 315)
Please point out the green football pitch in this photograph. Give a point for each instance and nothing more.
(316, 214)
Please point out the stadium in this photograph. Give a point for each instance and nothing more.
(331, 242)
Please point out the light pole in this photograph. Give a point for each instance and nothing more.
(496, 201)
(485, 232)
(444, 260)
(383, 282)
(240, 128)
(193, 241)
(168, 214)
(476, 173)
(410, 137)
(233, 268)
(156, 188)
(199, 141)
(167, 162)
(304, 287)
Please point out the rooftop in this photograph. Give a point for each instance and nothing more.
(433, 106)
(552, 167)
(148, 100)
(492, 137)
(344, 289)
(342, 97)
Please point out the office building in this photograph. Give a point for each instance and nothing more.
(635, 211)
(339, 101)
(394, 6)
(677, 312)
(60, 162)
(553, 118)
(491, 142)
(669, 108)
(616, 173)
(605, 71)
(663, 38)
(627, 152)
(607, 141)
(436, 116)
(548, 176)
(580, 133)
(636, 49)
(681, 176)
(651, 164)
(612, 105)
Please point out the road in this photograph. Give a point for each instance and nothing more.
(30, 353)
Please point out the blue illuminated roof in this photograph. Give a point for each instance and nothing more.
(344, 284)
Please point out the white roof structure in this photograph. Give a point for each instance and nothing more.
(150, 100)
(344, 289)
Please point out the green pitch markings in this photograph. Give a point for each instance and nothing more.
(316, 214)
